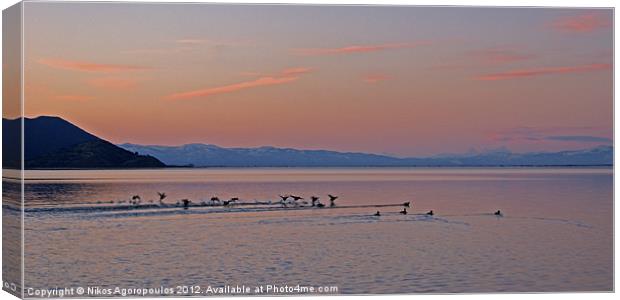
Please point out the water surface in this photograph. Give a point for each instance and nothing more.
(556, 233)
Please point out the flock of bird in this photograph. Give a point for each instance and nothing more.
(286, 201)
(297, 201)
(429, 213)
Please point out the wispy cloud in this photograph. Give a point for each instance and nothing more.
(285, 72)
(263, 81)
(357, 49)
(295, 71)
(581, 23)
(285, 76)
(375, 78)
(544, 71)
(580, 138)
(485, 57)
(84, 66)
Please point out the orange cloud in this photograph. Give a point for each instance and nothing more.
(83, 66)
(544, 71)
(581, 23)
(357, 49)
(111, 83)
(375, 78)
(285, 76)
(285, 72)
(295, 71)
(74, 97)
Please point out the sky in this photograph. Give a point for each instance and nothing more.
(403, 81)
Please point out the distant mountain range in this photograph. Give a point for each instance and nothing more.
(53, 143)
(203, 155)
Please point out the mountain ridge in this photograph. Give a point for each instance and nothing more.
(209, 155)
(51, 142)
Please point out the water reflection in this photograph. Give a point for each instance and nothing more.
(11, 235)
(556, 234)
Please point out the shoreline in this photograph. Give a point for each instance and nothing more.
(325, 167)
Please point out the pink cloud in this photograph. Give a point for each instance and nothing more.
(83, 66)
(285, 76)
(285, 72)
(587, 22)
(295, 71)
(375, 78)
(544, 71)
(262, 81)
(357, 49)
(484, 57)
(111, 83)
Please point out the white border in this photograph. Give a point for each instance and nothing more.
(538, 3)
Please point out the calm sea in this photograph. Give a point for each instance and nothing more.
(556, 233)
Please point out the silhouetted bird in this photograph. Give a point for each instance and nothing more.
(135, 199)
(234, 199)
(404, 211)
(285, 200)
(377, 214)
(498, 213)
(185, 203)
(296, 198)
(406, 204)
(332, 199)
(314, 200)
(162, 196)
(430, 213)
(320, 205)
(215, 199)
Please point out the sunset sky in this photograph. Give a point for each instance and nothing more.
(392, 80)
